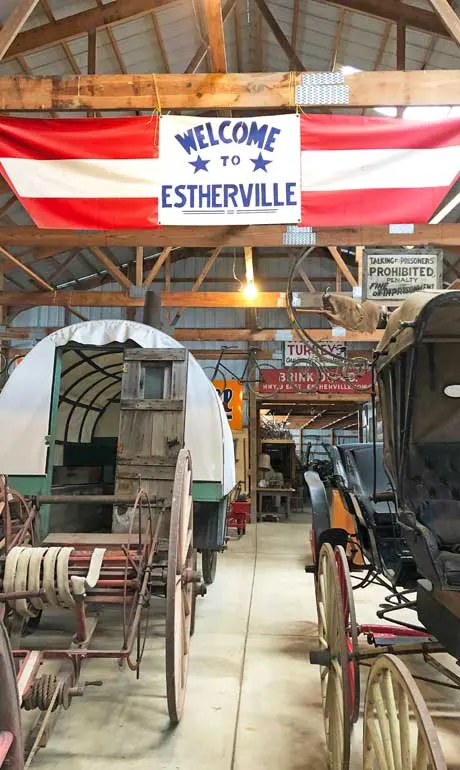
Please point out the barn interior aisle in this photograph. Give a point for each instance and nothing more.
(252, 700)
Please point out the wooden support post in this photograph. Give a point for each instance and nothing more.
(139, 265)
(216, 35)
(253, 432)
(359, 262)
(91, 64)
(157, 266)
(400, 54)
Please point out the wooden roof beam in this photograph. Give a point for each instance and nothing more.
(216, 91)
(343, 267)
(14, 23)
(201, 278)
(47, 35)
(69, 299)
(443, 234)
(448, 17)
(112, 268)
(396, 11)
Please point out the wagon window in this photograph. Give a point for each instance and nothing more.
(154, 381)
(453, 391)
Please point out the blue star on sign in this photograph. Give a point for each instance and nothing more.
(259, 162)
(200, 164)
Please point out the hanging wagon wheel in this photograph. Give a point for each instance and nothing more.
(335, 678)
(398, 730)
(179, 587)
(351, 628)
(208, 565)
(10, 715)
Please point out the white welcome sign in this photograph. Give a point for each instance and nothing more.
(229, 171)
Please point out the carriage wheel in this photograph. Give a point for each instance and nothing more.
(208, 565)
(398, 730)
(335, 678)
(351, 628)
(10, 715)
(179, 587)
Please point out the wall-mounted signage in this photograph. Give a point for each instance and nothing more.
(231, 395)
(230, 171)
(281, 381)
(295, 351)
(392, 274)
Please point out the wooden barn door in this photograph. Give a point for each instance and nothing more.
(152, 420)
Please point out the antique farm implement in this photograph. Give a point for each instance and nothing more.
(401, 530)
(106, 421)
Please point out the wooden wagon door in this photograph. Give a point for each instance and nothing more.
(152, 420)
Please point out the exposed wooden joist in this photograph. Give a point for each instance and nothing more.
(80, 24)
(216, 38)
(279, 35)
(446, 234)
(401, 47)
(396, 11)
(344, 269)
(221, 91)
(270, 335)
(139, 265)
(14, 23)
(449, 18)
(69, 299)
(337, 39)
(295, 27)
(160, 41)
(112, 268)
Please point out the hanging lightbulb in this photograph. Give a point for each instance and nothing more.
(250, 290)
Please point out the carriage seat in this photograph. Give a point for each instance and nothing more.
(359, 463)
(433, 494)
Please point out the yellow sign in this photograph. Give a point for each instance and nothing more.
(231, 394)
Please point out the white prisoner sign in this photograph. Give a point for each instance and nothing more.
(229, 171)
(393, 274)
(296, 351)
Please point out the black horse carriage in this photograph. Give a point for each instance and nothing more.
(403, 531)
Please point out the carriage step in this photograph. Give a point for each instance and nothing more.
(388, 640)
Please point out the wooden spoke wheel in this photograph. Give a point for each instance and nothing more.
(399, 733)
(179, 587)
(351, 629)
(11, 742)
(335, 677)
(209, 565)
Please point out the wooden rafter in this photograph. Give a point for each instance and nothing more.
(215, 26)
(139, 265)
(112, 268)
(343, 267)
(337, 38)
(26, 269)
(63, 298)
(44, 4)
(114, 44)
(160, 42)
(295, 27)
(14, 23)
(47, 35)
(221, 91)
(279, 35)
(396, 11)
(448, 18)
(201, 278)
(237, 29)
(157, 266)
(64, 265)
(446, 234)
(268, 335)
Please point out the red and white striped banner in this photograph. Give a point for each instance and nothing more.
(109, 173)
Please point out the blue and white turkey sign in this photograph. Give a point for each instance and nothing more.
(229, 171)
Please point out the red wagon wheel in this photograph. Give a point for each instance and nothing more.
(335, 671)
(179, 587)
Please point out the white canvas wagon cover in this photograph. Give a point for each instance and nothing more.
(25, 404)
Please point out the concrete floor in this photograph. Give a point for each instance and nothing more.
(253, 699)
